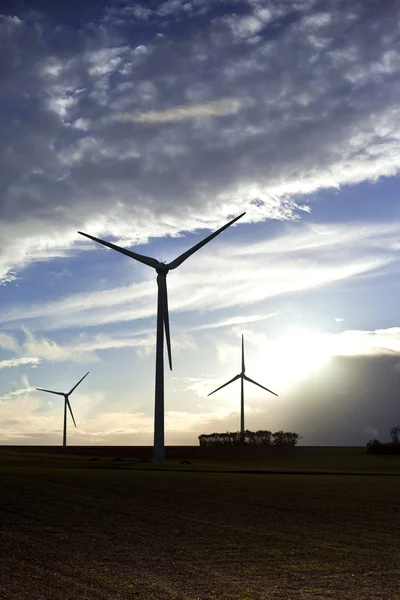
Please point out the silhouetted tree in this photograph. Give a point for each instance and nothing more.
(394, 432)
(285, 438)
(372, 446)
(376, 447)
(263, 437)
(251, 438)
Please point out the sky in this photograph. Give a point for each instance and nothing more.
(152, 124)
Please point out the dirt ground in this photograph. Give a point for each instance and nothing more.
(102, 530)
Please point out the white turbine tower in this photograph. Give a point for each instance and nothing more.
(66, 403)
(162, 270)
(242, 376)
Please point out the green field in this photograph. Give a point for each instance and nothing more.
(71, 527)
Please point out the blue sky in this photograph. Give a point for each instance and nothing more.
(151, 125)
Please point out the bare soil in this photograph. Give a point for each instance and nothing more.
(72, 528)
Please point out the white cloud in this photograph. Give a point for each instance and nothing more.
(304, 258)
(358, 342)
(8, 342)
(239, 320)
(214, 108)
(17, 362)
(372, 431)
(47, 349)
(318, 108)
(26, 389)
(8, 277)
(86, 348)
(36, 348)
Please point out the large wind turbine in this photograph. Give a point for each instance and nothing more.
(242, 376)
(66, 403)
(162, 270)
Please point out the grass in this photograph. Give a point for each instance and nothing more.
(74, 528)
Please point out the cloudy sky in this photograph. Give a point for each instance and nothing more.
(152, 124)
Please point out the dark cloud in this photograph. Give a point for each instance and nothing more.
(347, 402)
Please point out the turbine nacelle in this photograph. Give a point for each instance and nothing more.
(162, 268)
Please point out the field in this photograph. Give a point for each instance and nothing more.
(76, 528)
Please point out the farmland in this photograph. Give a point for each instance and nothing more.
(73, 527)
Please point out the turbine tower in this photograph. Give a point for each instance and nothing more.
(66, 403)
(242, 376)
(162, 270)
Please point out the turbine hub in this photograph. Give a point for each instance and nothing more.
(162, 268)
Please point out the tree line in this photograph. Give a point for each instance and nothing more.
(376, 447)
(250, 438)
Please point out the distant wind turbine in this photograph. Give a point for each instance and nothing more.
(242, 376)
(162, 322)
(66, 403)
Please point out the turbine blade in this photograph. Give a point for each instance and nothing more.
(166, 318)
(227, 383)
(243, 367)
(259, 385)
(146, 260)
(70, 410)
(75, 386)
(178, 261)
(50, 392)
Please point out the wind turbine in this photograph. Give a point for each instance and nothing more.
(162, 270)
(242, 376)
(66, 403)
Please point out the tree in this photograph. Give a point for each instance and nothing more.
(285, 438)
(394, 432)
(251, 438)
(373, 446)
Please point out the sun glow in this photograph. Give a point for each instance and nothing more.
(296, 355)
